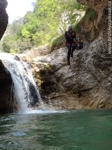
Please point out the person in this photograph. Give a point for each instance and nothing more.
(71, 45)
(79, 44)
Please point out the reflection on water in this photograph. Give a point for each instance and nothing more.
(76, 130)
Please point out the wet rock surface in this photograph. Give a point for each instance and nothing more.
(7, 103)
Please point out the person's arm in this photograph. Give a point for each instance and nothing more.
(66, 35)
(75, 40)
(74, 35)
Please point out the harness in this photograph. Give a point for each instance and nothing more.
(69, 39)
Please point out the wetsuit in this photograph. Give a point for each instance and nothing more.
(79, 45)
(70, 44)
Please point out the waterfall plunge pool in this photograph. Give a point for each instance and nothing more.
(49, 130)
(74, 130)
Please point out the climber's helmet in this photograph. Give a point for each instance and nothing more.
(69, 27)
(79, 39)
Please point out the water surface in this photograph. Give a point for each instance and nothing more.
(75, 130)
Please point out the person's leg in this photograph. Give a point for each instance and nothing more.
(72, 50)
(68, 55)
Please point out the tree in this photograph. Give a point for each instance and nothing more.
(48, 19)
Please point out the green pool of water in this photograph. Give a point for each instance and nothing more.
(75, 130)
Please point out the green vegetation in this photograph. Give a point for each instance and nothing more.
(56, 42)
(47, 21)
(91, 14)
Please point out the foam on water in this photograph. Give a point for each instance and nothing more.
(36, 111)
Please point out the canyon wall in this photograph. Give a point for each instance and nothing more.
(87, 82)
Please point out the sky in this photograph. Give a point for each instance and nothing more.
(18, 8)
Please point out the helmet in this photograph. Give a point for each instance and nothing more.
(69, 26)
(79, 38)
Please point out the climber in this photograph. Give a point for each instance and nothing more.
(70, 36)
(79, 44)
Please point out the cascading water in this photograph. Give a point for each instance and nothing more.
(25, 90)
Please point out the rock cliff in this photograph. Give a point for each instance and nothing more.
(3, 17)
(6, 97)
(87, 82)
(5, 79)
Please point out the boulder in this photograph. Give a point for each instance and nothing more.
(3, 17)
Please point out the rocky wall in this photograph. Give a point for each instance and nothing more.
(87, 82)
(6, 93)
(3, 17)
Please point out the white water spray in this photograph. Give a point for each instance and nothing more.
(25, 90)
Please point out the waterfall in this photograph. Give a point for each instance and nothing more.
(25, 91)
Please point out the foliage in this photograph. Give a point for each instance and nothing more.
(48, 20)
(56, 42)
(6, 47)
(8, 42)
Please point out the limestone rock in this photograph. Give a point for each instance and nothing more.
(95, 4)
(87, 82)
(40, 51)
